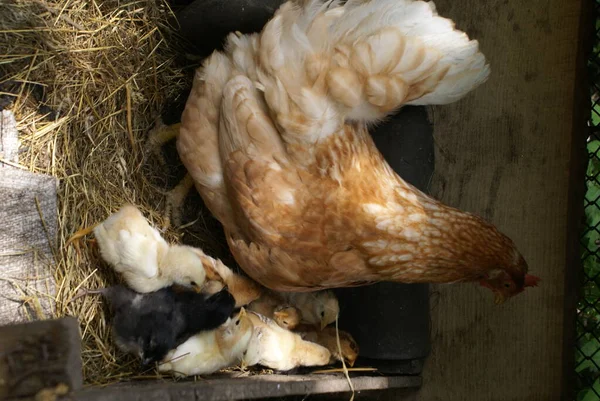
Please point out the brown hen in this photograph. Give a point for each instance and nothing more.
(275, 137)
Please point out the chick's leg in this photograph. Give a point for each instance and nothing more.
(78, 235)
(84, 292)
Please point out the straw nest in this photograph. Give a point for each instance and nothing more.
(87, 80)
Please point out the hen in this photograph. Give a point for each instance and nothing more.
(274, 136)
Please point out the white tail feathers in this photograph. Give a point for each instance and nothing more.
(375, 55)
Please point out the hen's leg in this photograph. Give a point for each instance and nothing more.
(159, 136)
(175, 198)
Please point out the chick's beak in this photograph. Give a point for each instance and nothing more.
(242, 312)
(351, 362)
(499, 298)
(323, 324)
(146, 362)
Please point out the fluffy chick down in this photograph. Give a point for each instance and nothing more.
(319, 308)
(147, 262)
(210, 351)
(327, 338)
(273, 306)
(149, 325)
(277, 348)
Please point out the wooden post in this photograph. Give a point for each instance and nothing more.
(39, 355)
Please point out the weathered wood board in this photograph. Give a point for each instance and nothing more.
(506, 152)
(39, 355)
(252, 387)
(27, 234)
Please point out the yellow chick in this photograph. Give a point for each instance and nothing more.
(243, 289)
(210, 351)
(327, 338)
(288, 317)
(318, 308)
(277, 348)
(147, 262)
(273, 306)
(211, 287)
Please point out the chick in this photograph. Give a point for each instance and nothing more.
(318, 308)
(243, 289)
(286, 316)
(327, 338)
(272, 305)
(146, 261)
(210, 351)
(280, 349)
(149, 325)
(211, 287)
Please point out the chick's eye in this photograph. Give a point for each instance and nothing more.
(193, 283)
(507, 285)
(237, 322)
(323, 314)
(284, 322)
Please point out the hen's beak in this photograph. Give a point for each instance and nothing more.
(499, 298)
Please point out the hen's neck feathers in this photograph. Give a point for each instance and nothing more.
(405, 233)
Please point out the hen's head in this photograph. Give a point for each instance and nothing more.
(509, 280)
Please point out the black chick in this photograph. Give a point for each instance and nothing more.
(150, 325)
(201, 313)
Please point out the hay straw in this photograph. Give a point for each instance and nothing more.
(107, 69)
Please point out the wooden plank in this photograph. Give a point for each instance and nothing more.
(577, 189)
(9, 138)
(39, 355)
(506, 152)
(27, 233)
(252, 387)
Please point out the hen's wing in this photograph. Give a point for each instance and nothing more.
(361, 61)
(198, 141)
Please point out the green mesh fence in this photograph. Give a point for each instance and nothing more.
(587, 352)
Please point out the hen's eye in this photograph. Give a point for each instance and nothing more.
(507, 285)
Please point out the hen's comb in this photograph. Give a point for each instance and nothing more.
(531, 281)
